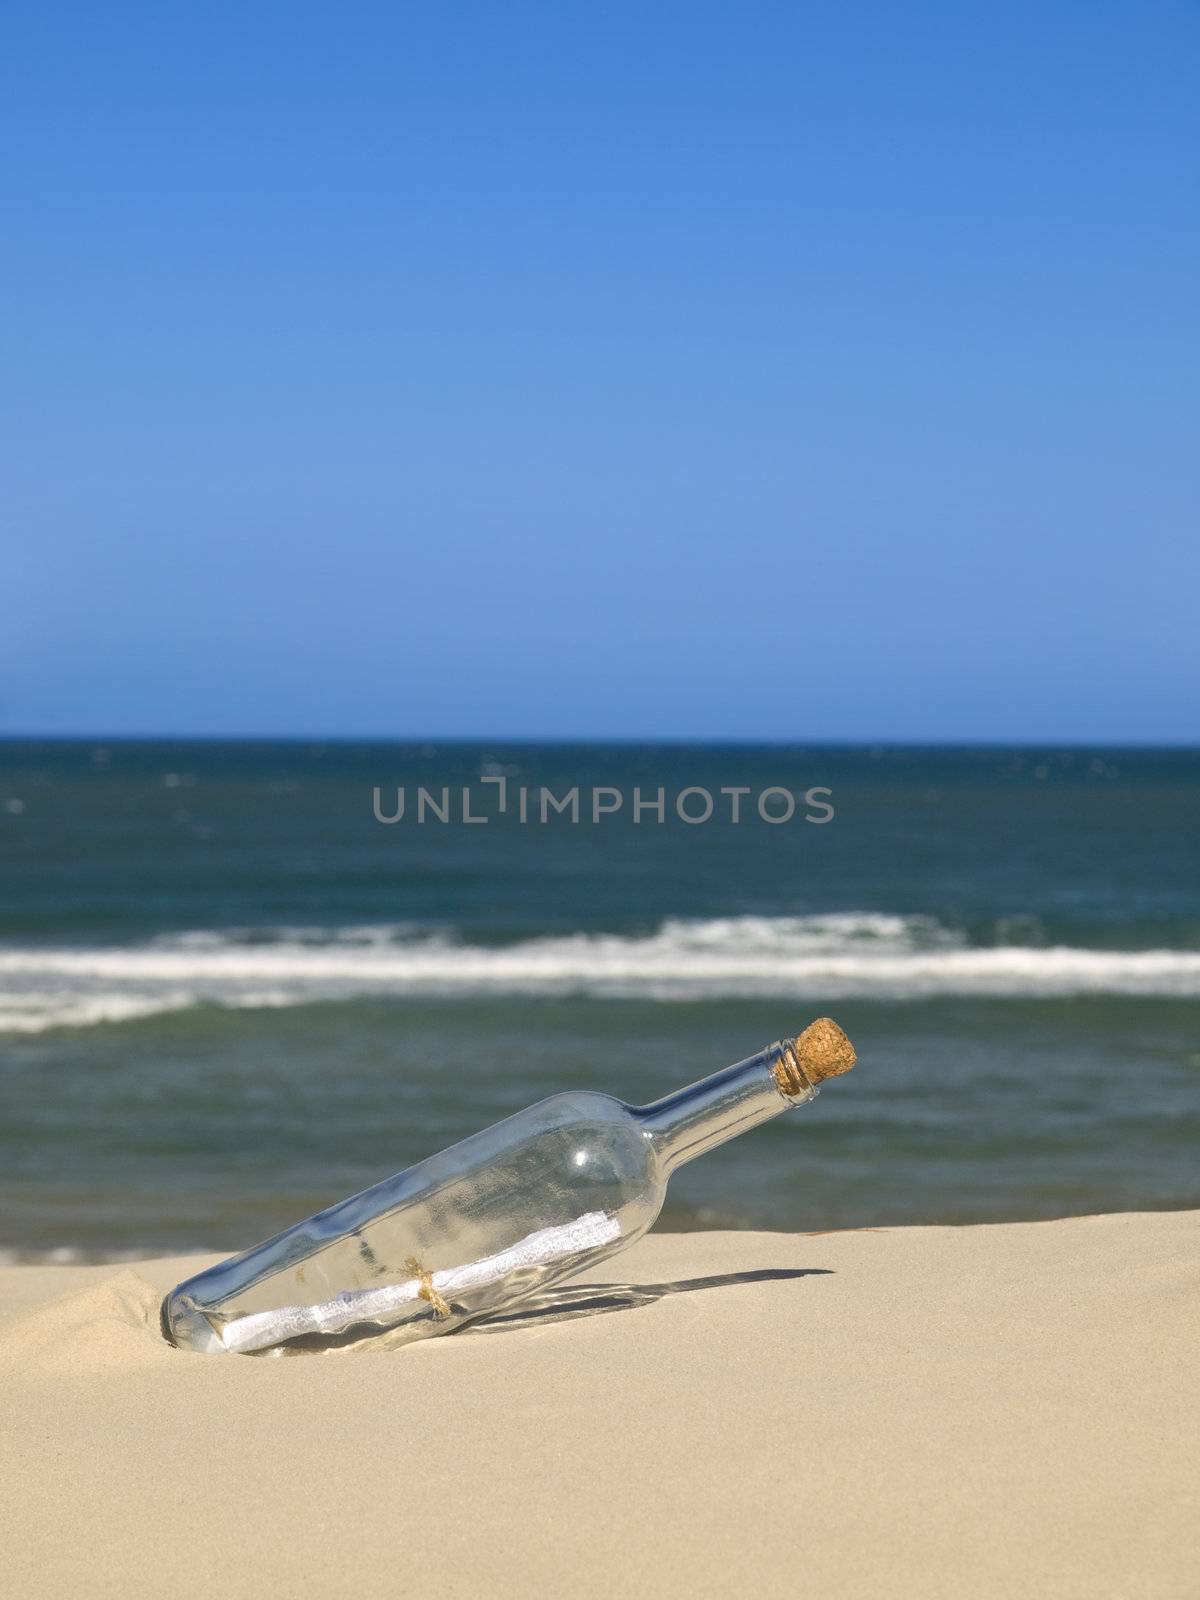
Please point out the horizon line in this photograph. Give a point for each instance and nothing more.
(600, 740)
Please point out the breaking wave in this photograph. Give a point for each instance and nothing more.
(861, 955)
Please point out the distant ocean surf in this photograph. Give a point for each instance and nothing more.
(812, 960)
(229, 995)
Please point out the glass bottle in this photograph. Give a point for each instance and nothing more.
(509, 1211)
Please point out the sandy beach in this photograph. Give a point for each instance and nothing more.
(988, 1411)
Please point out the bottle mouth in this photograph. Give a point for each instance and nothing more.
(789, 1078)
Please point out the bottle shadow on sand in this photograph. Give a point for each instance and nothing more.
(598, 1299)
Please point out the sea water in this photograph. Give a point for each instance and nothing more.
(230, 995)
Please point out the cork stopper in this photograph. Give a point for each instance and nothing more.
(821, 1051)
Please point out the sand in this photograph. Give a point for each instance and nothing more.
(967, 1412)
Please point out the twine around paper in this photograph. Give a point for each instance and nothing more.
(427, 1290)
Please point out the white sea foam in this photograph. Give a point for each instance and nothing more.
(818, 958)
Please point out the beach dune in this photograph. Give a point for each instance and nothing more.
(988, 1411)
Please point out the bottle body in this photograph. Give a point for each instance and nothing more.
(498, 1216)
(507, 1212)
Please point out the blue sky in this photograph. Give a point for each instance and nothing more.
(729, 371)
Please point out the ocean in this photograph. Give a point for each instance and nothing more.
(231, 994)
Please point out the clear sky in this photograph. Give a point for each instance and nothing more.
(783, 371)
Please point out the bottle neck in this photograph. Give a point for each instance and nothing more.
(686, 1124)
